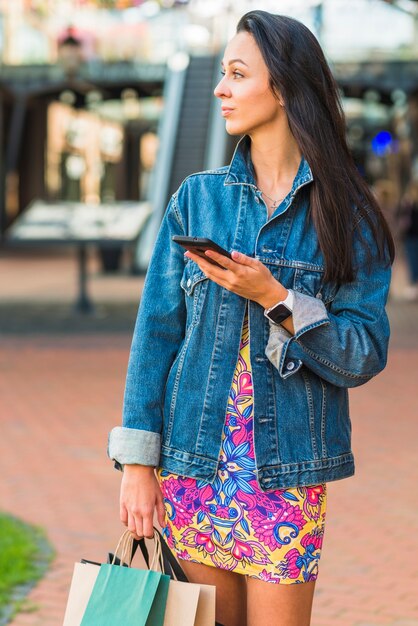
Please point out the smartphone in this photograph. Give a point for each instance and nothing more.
(198, 245)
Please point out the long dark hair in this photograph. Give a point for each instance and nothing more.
(300, 73)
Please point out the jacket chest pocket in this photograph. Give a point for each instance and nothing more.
(194, 284)
(311, 283)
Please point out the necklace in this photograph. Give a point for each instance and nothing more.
(275, 202)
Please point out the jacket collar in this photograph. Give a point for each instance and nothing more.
(241, 171)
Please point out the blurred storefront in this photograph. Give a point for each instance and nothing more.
(85, 100)
(73, 127)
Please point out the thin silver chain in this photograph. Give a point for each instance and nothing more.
(275, 202)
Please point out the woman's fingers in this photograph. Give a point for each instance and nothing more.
(221, 259)
(160, 510)
(123, 513)
(234, 265)
(238, 258)
(243, 259)
(135, 524)
(148, 524)
(208, 268)
(142, 523)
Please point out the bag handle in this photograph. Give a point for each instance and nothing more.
(167, 561)
(128, 545)
(124, 550)
(163, 559)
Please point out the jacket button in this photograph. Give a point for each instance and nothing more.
(319, 295)
(257, 199)
(290, 366)
(189, 282)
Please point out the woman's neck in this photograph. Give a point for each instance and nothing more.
(275, 158)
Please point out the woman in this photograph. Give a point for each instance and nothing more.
(237, 382)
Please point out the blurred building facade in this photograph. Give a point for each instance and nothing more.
(85, 99)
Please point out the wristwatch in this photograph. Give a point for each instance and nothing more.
(279, 312)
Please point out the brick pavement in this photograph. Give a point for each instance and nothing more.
(61, 393)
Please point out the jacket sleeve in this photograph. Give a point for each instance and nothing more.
(347, 344)
(158, 333)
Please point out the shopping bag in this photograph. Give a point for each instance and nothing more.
(84, 577)
(205, 615)
(141, 595)
(187, 603)
(127, 596)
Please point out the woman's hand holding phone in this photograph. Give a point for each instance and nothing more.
(237, 272)
(245, 276)
(198, 245)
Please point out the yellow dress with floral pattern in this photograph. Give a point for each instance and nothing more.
(231, 524)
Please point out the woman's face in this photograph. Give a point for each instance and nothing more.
(248, 103)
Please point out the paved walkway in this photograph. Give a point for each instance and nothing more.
(61, 392)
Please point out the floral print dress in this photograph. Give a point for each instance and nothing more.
(275, 536)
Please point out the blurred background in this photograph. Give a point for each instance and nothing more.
(105, 107)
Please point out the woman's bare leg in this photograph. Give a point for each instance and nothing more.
(231, 605)
(279, 605)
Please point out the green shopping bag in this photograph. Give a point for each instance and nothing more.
(127, 596)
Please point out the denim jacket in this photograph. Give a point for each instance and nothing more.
(187, 336)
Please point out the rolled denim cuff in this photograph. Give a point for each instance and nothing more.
(276, 349)
(130, 446)
(308, 313)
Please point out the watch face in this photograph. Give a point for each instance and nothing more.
(279, 314)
